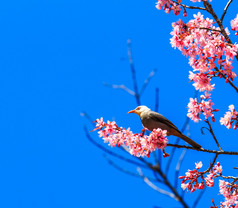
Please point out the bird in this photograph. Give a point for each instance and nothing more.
(153, 120)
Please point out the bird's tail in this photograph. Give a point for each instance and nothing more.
(190, 141)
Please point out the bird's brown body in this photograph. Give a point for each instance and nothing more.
(153, 120)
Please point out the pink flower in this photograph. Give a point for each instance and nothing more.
(192, 177)
(230, 118)
(195, 108)
(198, 165)
(230, 193)
(207, 51)
(234, 24)
(169, 5)
(138, 145)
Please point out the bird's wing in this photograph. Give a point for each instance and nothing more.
(159, 118)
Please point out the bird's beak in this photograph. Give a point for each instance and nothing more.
(132, 111)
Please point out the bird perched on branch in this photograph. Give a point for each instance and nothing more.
(153, 120)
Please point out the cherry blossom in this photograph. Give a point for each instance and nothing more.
(230, 192)
(191, 179)
(234, 24)
(209, 53)
(195, 108)
(139, 145)
(229, 118)
(169, 5)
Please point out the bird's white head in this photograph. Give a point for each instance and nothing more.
(140, 109)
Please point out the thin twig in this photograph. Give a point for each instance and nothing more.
(204, 150)
(146, 82)
(87, 116)
(123, 87)
(210, 29)
(212, 133)
(153, 186)
(229, 81)
(225, 10)
(178, 167)
(211, 165)
(156, 99)
(133, 71)
(198, 198)
(125, 170)
(229, 177)
(189, 7)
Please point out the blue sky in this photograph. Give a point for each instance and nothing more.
(54, 58)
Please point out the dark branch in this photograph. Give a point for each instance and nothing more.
(225, 10)
(156, 99)
(189, 7)
(133, 71)
(204, 150)
(230, 82)
(212, 133)
(210, 10)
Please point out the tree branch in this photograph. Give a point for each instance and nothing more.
(189, 7)
(133, 71)
(225, 10)
(212, 132)
(210, 10)
(153, 186)
(204, 150)
(146, 82)
(125, 170)
(123, 87)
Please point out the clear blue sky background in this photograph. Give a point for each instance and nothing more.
(54, 58)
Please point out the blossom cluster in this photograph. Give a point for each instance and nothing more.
(174, 5)
(139, 145)
(169, 5)
(234, 24)
(231, 117)
(210, 55)
(192, 176)
(195, 108)
(230, 192)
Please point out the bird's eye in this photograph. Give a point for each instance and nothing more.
(138, 108)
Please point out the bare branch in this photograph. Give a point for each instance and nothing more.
(198, 198)
(86, 115)
(225, 10)
(189, 7)
(211, 131)
(156, 99)
(211, 165)
(123, 87)
(178, 167)
(204, 150)
(156, 188)
(146, 82)
(125, 170)
(133, 71)
(230, 82)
